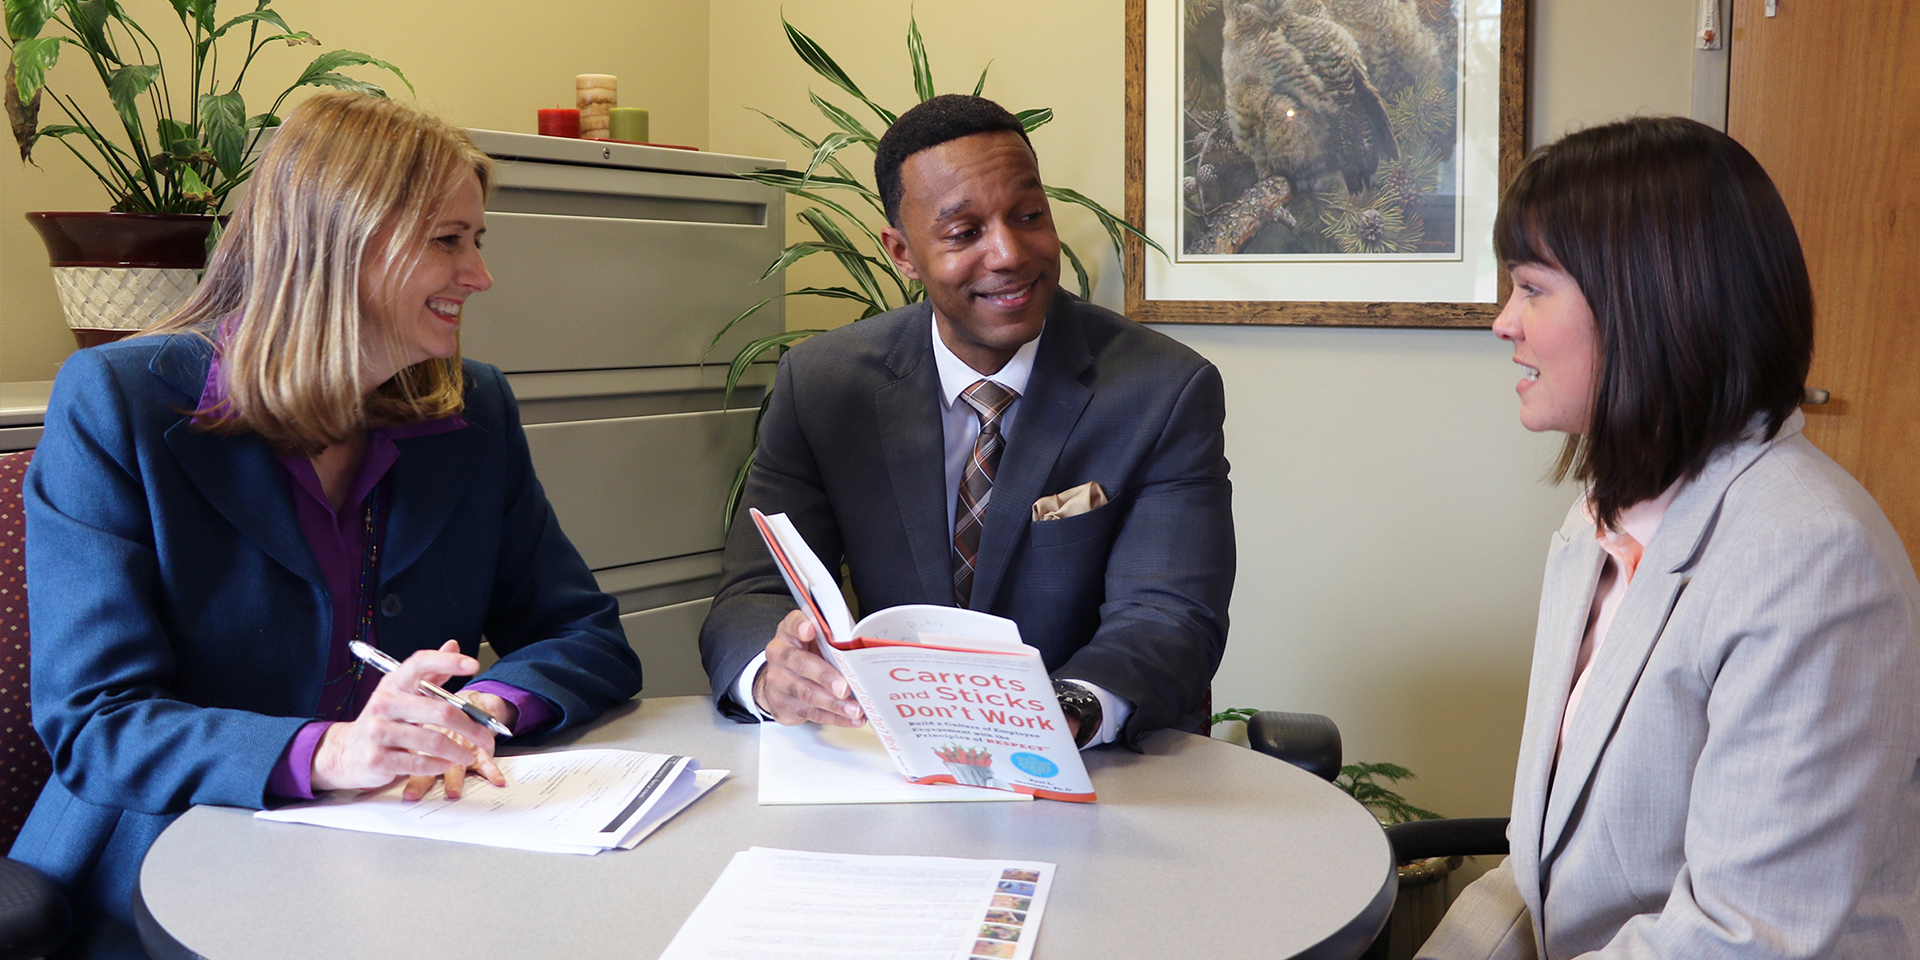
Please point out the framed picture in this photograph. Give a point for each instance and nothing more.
(1327, 162)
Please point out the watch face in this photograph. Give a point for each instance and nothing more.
(1080, 705)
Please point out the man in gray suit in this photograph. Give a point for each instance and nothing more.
(915, 444)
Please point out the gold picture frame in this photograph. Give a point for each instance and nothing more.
(1511, 123)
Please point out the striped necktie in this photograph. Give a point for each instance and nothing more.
(989, 400)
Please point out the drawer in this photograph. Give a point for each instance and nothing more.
(668, 642)
(19, 438)
(660, 583)
(591, 293)
(630, 490)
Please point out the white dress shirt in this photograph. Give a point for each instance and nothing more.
(961, 427)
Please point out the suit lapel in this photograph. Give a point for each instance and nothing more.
(241, 475)
(427, 483)
(1052, 406)
(1639, 623)
(1611, 680)
(1573, 569)
(913, 442)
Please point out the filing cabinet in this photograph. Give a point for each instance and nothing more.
(614, 266)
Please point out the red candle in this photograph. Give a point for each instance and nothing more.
(560, 122)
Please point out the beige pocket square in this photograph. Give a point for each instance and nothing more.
(1070, 503)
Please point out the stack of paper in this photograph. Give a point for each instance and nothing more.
(792, 905)
(814, 763)
(567, 801)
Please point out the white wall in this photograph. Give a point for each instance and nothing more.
(1392, 529)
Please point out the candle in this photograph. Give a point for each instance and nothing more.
(595, 93)
(560, 122)
(628, 123)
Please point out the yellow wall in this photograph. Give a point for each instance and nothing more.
(1067, 55)
(1391, 521)
(480, 63)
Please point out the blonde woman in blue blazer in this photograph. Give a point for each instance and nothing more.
(1723, 720)
(298, 460)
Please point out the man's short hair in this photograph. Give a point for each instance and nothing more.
(948, 116)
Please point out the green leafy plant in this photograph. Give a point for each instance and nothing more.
(1357, 779)
(1241, 714)
(198, 148)
(841, 208)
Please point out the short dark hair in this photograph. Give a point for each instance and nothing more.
(1701, 302)
(948, 116)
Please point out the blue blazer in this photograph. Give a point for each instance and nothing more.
(1131, 596)
(181, 626)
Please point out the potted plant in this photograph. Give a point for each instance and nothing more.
(183, 142)
(1422, 896)
(845, 231)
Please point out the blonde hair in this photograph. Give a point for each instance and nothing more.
(347, 179)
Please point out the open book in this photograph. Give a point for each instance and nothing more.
(954, 695)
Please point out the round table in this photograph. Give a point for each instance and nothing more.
(1197, 848)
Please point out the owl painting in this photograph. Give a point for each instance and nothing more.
(1349, 105)
(1298, 97)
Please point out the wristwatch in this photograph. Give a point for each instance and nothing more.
(1079, 703)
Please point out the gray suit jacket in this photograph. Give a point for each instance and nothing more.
(1131, 596)
(1740, 778)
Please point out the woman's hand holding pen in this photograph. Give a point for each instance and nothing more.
(504, 711)
(404, 733)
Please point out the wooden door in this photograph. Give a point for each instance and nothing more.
(1826, 94)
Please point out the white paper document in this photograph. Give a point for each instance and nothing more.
(813, 763)
(565, 801)
(792, 905)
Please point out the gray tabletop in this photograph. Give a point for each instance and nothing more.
(1196, 849)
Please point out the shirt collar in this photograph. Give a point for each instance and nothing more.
(956, 376)
(1640, 521)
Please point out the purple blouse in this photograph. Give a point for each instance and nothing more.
(338, 541)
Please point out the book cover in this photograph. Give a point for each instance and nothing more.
(954, 695)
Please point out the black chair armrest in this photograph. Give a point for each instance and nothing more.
(1306, 740)
(34, 917)
(1460, 837)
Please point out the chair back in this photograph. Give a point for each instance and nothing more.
(24, 766)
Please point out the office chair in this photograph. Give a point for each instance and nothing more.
(1312, 742)
(34, 917)
(1306, 740)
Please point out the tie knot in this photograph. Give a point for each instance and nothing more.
(988, 399)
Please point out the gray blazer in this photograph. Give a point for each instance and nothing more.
(1740, 777)
(1131, 596)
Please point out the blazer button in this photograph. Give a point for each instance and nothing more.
(391, 605)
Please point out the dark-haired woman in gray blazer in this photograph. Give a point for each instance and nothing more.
(1722, 725)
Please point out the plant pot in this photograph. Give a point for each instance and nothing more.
(119, 273)
(1418, 907)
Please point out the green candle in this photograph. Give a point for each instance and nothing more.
(628, 123)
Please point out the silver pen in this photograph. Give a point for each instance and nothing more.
(373, 655)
